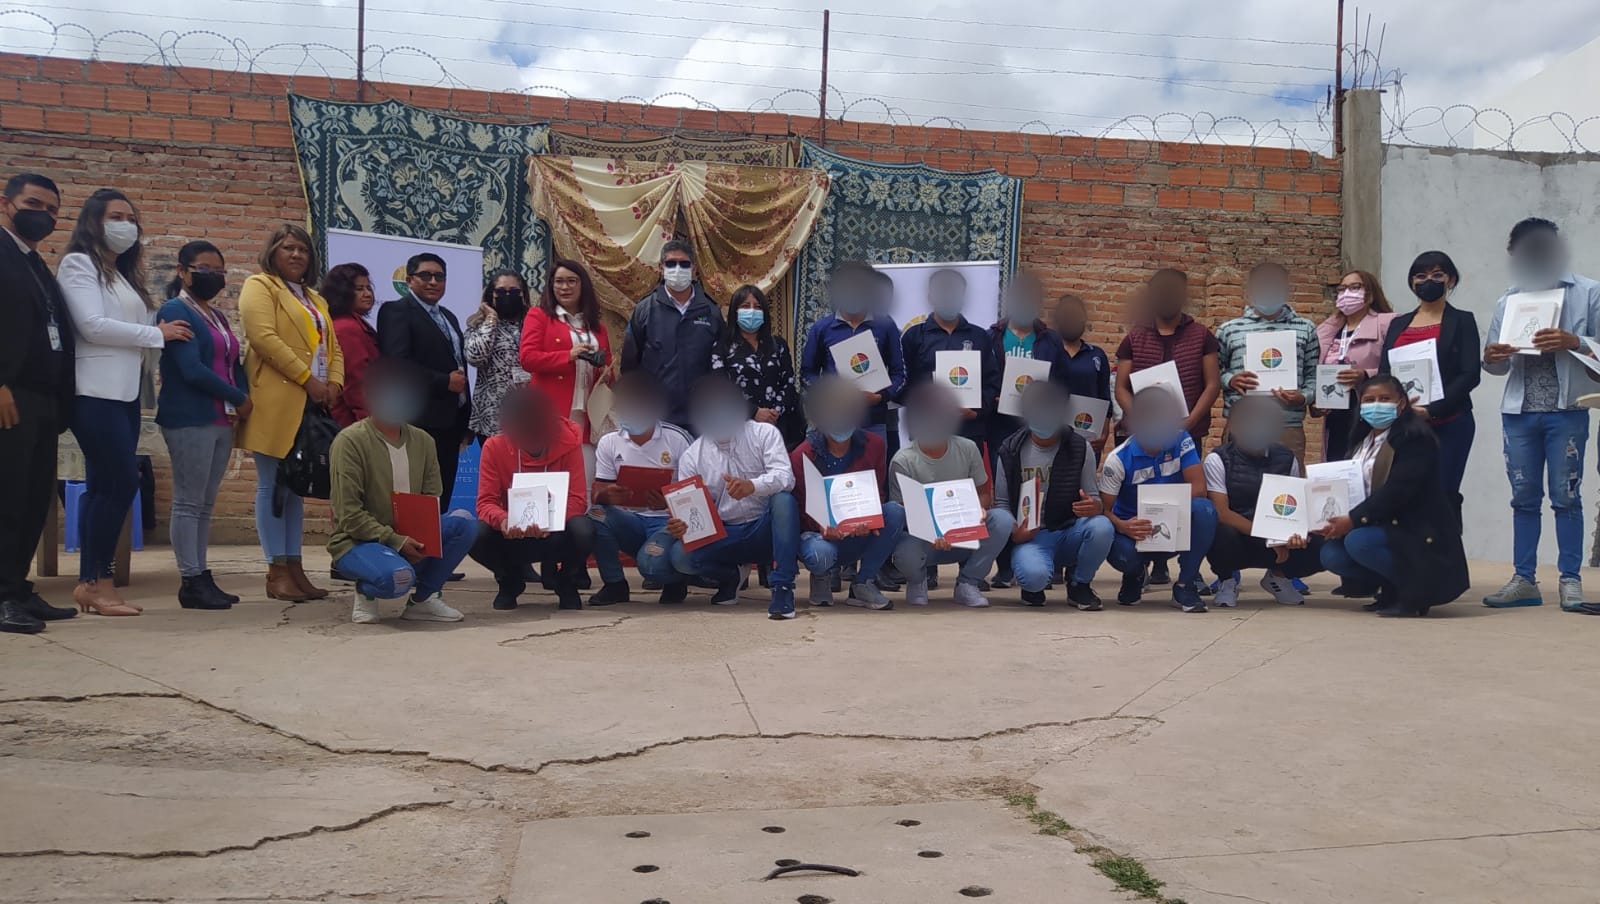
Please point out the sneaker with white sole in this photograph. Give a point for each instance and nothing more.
(430, 609)
(821, 589)
(1572, 595)
(1227, 593)
(867, 596)
(970, 596)
(917, 592)
(365, 610)
(1282, 590)
(1518, 592)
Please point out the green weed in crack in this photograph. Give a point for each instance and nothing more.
(1128, 874)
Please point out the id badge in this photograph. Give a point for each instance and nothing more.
(55, 336)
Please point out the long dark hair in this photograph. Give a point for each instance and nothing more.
(496, 276)
(186, 258)
(1377, 301)
(339, 288)
(89, 237)
(588, 301)
(1408, 426)
(732, 335)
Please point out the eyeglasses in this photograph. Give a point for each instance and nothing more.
(1357, 286)
(676, 265)
(428, 276)
(568, 281)
(1434, 274)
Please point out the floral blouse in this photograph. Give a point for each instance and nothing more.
(766, 377)
(491, 347)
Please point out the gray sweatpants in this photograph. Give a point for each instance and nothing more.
(200, 457)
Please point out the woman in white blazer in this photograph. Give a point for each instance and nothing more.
(103, 279)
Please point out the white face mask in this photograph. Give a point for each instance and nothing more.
(678, 278)
(120, 235)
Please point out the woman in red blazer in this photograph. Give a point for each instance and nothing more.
(348, 290)
(564, 345)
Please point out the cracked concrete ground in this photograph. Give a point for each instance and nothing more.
(1269, 754)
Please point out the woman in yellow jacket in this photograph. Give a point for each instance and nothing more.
(293, 357)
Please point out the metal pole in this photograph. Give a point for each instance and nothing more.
(1338, 83)
(361, 50)
(822, 97)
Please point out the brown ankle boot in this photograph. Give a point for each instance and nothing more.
(281, 584)
(309, 590)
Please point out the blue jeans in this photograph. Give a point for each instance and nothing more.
(913, 554)
(617, 529)
(1455, 444)
(775, 537)
(1537, 445)
(383, 574)
(870, 550)
(280, 534)
(1126, 558)
(1361, 555)
(1083, 547)
(108, 433)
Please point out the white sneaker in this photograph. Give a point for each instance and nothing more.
(970, 596)
(917, 592)
(1227, 595)
(430, 609)
(364, 611)
(1281, 589)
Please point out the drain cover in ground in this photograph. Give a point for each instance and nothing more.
(906, 855)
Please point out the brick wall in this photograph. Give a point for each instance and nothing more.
(209, 154)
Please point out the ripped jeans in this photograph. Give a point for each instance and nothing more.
(1538, 445)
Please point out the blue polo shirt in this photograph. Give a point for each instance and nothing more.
(816, 358)
(1129, 465)
(1088, 373)
(923, 341)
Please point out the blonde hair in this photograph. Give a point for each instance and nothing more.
(274, 241)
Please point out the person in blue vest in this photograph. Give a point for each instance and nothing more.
(673, 331)
(854, 289)
(947, 329)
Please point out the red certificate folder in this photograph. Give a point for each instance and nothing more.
(417, 516)
(640, 481)
(709, 533)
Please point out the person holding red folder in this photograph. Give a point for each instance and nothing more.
(378, 464)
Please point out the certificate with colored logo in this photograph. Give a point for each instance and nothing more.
(1019, 373)
(1028, 504)
(1273, 356)
(845, 501)
(962, 372)
(857, 359)
(1087, 415)
(949, 509)
(1283, 508)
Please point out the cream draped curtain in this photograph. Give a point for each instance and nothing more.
(747, 223)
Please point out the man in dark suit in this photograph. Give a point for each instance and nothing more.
(36, 390)
(423, 331)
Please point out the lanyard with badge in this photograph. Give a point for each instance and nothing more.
(229, 342)
(52, 326)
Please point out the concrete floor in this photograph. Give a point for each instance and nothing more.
(278, 752)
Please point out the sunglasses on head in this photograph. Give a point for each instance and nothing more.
(428, 276)
(677, 265)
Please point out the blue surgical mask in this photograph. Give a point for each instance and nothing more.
(1044, 428)
(750, 320)
(1380, 415)
(1269, 303)
(840, 436)
(635, 426)
(394, 406)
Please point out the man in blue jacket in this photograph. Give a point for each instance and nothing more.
(852, 288)
(947, 329)
(672, 331)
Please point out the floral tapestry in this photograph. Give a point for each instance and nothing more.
(886, 213)
(394, 169)
(746, 223)
(677, 149)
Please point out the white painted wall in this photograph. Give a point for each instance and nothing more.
(1464, 202)
(1564, 89)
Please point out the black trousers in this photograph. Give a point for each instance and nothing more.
(27, 488)
(447, 443)
(566, 551)
(1234, 551)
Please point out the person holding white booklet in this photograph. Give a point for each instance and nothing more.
(1271, 348)
(534, 441)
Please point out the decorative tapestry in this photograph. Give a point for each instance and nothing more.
(677, 149)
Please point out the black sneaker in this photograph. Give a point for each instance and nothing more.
(584, 581)
(887, 583)
(1003, 579)
(567, 598)
(1033, 597)
(610, 594)
(1083, 596)
(506, 596)
(1185, 598)
(1159, 574)
(456, 577)
(674, 594)
(651, 585)
(984, 586)
(1132, 589)
(728, 591)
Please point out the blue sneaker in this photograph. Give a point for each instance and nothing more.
(782, 605)
(1300, 586)
(1185, 597)
(1517, 593)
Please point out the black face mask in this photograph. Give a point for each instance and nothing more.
(1431, 290)
(205, 285)
(33, 225)
(509, 306)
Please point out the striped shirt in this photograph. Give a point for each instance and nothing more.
(1309, 350)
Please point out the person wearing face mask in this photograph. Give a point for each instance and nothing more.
(1432, 277)
(1405, 538)
(36, 393)
(493, 344)
(837, 444)
(947, 329)
(1352, 338)
(857, 291)
(673, 330)
(1546, 430)
(937, 452)
(378, 456)
(1267, 309)
(103, 279)
(1073, 532)
(1162, 332)
(202, 397)
(642, 440)
(1022, 333)
(1234, 473)
(1085, 369)
(746, 471)
(348, 290)
(759, 363)
(1160, 451)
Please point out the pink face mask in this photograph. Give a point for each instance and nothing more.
(1351, 301)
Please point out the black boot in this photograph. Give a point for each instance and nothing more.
(509, 590)
(610, 594)
(14, 619)
(195, 594)
(211, 583)
(567, 596)
(36, 606)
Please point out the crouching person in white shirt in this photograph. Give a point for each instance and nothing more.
(746, 472)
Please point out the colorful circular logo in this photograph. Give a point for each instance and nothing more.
(849, 483)
(1284, 504)
(959, 376)
(1023, 381)
(1271, 358)
(1083, 421)
(949, 493)
(860, 363)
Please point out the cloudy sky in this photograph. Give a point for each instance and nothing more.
(1068, 65)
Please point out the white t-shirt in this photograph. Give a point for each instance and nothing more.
(756, 454)
(1217, 474)
(401, 463)
(663, 450)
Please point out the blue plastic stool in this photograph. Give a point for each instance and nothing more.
(74, 500)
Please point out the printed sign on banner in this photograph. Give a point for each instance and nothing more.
(385, 258)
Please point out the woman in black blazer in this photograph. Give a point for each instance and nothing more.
(1432, 278)
(1405, 538)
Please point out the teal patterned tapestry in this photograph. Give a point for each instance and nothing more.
(885, 213)
(393, 169)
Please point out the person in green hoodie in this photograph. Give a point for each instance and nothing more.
(372, 459)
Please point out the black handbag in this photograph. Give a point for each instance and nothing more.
(305, 471)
